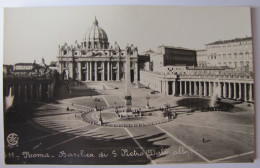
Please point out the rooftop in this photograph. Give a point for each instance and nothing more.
(230, 41)
(179, 48)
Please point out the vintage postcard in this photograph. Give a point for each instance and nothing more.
(128, 85)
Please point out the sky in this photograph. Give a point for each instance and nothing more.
(35, 33)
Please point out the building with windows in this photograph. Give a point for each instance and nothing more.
(168, 56)
(94, 59)
(223, 64)
(235, 53)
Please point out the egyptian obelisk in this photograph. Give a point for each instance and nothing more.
(128, 97)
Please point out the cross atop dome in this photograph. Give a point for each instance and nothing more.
(95, 22)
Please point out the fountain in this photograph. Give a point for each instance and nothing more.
(215, 95)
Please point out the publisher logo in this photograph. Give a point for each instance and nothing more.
(12, 140)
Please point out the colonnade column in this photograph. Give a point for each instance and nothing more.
(19, 95)
(40, 91)
(31, 88)
(250, 92)
(239, 90)
(245, 95)
(235, 91)
(103, 71)
(108, 70)
(96, 71)
(25, 92)
(49, 91)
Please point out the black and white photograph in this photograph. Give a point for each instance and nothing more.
(128, 85)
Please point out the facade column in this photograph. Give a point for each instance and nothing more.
(230, 90)
(111, 72)
(210, 89)
(96, 71)
(103, 71)
(205, 89)
(190, 92)
(79, 71)
(166, 87)
(173, 87)
(118, 71)
(60, 67)
(235, 91)
(195, 88)
(71, 74)
(245, 92)
(200, 88)
(213, 88)
(185, 88)
(180, 88)
(224, 90)
(87, 71)
(136, 73)
(25, 93)
(108, 71)
(90, 71)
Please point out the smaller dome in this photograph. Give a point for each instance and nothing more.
(97, 37)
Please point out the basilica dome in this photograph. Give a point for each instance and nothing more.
(96, 37)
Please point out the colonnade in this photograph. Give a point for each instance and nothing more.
(34, 91)
(225, 89)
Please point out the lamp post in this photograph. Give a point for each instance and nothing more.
(147, 98)
(96, 100)
(167, 111)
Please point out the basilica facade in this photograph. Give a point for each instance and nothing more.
(94, 59)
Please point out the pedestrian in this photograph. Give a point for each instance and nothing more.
(203, 140)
